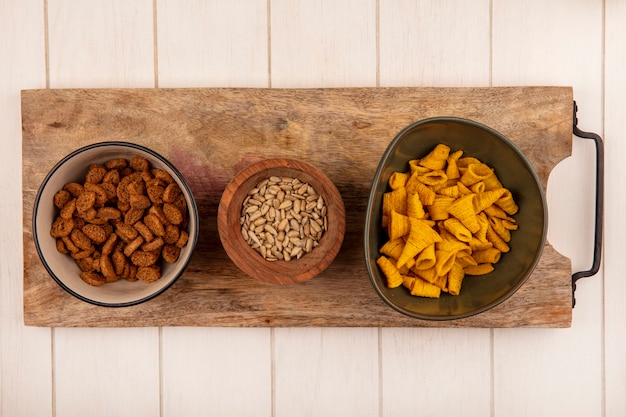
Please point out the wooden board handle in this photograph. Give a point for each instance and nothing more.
(599, 205)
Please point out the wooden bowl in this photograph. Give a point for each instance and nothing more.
(248, 259)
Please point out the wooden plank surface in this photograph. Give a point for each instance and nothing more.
(92, 366)
(429, 43)
(209, 134)
(203, 369)
(131, 359)
(551, 381)
(233, 50)
(323, 43)
(337, 374)
(615, 206)
(25, 367)
(413, 360)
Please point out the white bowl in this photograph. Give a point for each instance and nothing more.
(63, 268)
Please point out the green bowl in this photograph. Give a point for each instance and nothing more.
(478, 293)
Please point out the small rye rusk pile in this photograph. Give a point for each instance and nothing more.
(121, 221)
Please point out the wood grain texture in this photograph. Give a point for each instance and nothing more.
(25, 367)
(434, 43)
(553, 48)
(210, 134)
(103, 371)
(323, 43)
(94, 366)
(103, 43)
(420, 372)
(205, 369)
(326, 372)
(579, 371)
(202, 368)
(212, 43)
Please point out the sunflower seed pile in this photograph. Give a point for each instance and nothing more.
(283, 218)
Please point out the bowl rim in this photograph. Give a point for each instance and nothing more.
(368, 218)
(281, 270)
(191, 206)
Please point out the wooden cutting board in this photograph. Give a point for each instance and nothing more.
(211, 133)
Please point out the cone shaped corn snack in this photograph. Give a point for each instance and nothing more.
(480, 269)
(459, 231)
(399, 225)
(495, 211)
(408, 281)
(463, 190)
(485, 199)
(398, 180)
(426, 259)
(437, 158)
(477, 244)
(421, 236)
(394, 279)
(441, 281)
(451, 245)
(439, 209)
(465, 259)
(414, 206)
(427, 195)
(490, 255)
(452, 170)
(394, 200)
(393, 248)
(509, 224)
(492, 182)
(475, 173)
(416, 168)
(478, 187)
(445, 260)
(507, 203)
(455, 279)
(483, 222)
(451, 191)
(463, 209)
(496, 240)
(498, 226)
(428, 275)
(421, 288)
(433, 177)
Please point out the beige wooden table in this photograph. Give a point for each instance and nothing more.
(343, 371)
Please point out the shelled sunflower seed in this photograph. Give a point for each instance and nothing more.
(283, 218)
